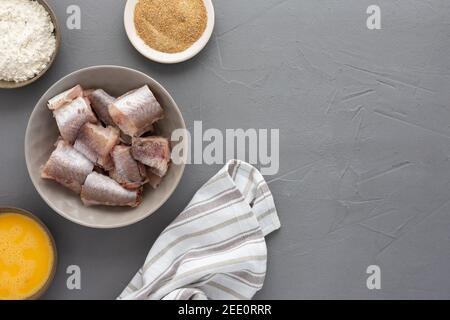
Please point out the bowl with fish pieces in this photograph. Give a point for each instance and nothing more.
(169, 31)
(41, 32)
(100, 146)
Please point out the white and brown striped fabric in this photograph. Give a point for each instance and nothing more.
(216, 247)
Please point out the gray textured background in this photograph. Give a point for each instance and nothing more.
(365, 141)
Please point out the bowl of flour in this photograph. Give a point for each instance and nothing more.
(29, 41)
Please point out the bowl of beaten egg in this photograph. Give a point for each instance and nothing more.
(28, 255)
(43, 132)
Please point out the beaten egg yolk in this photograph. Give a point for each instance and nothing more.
(26, 257)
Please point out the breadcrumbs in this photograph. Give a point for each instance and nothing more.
(170, 25)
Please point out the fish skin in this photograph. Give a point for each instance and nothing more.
(99, 189)
(67, 166)
(154, 152)
(127, 171)
(65, 97)
(100, 101)
(71, 117)
(136, 111)
(153, 179)
(96, 143)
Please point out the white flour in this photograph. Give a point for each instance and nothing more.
(27, 41)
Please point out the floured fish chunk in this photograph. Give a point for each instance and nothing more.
(65, 97)
(96, 143)
(67, 166)
(127, 171)
(100, 101)
(135, 112)
(71, 117)
(153, 152)
(102, 190)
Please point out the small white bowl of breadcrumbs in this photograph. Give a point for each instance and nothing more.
(169, 31)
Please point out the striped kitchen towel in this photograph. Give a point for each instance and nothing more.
(215, 249)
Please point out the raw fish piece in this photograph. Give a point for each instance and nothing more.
(125, 139)
(71, 117)
(100, 101)
(96, 143)
(67, 166)
(135, 112)
(127, 171)
(102, 190)
(65, 97)
(153, 179)
(153, 152)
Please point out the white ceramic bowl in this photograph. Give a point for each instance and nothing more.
(42, 134)
(161, 57)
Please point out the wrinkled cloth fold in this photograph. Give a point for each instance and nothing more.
(215, 249)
